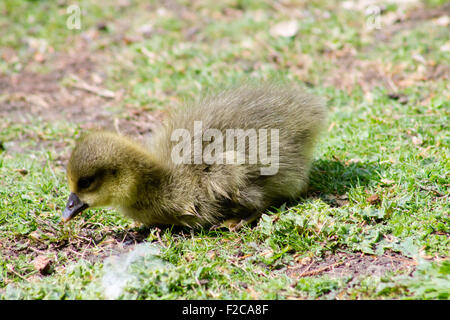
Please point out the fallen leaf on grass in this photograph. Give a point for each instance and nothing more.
(352, 161)
(244, 256)
(424, 152)
(302, 260)
(417, 141)
(267, 253)
(387, 181)
(42, 264)
(332, 125)
(23, 172)
(374, 199)
(146, 30)
(443, 21)
(285, 29)
(419, 58)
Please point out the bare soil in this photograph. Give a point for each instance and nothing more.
(352, 265)
(31, 95)
(351, 70)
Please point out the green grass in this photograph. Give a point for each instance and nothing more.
(374, 145)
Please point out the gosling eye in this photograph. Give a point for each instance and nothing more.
(85, 182)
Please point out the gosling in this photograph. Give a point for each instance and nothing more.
(220, 162)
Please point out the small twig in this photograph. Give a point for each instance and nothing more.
(244, 257)
(77, 253)
(332, 125)
(80, 84)
(307, 268)
(11, 269)
(83, 238)
(320, 270)
(123, 239)
(158, 236)
(431, 190)
(89, 223)
(424, 151)
(36, 250)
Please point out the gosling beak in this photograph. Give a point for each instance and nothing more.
(74, 206)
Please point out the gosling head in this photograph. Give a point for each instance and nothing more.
(103, 170)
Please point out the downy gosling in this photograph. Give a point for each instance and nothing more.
(219, 162)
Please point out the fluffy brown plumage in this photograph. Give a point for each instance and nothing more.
(107, 169)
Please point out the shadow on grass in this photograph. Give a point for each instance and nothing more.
(335, 178)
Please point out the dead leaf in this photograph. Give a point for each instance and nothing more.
(244, 256)
(419, 58)
(352, 161)
(23, 172)
(211, 255)
(285, 29)
(146, 29)
(267, 253)
(8, 55)
(42, 264)
(424, 152)
(374, 199)
(303, 260)
(445, 47)
(443, 21)
(96, 78)
(417, 141)
(387, 181)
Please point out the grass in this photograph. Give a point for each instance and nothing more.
(379, 184)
